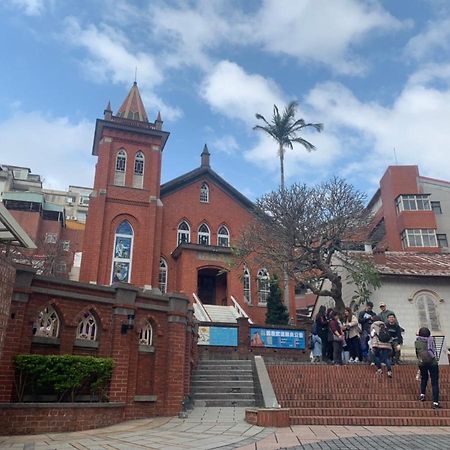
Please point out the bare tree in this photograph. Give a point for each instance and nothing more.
(302, 229)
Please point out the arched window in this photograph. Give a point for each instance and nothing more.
(87, 327)
(203, 234)
(121, 167)
(122, 253)
(146, 335)
(47, 323)
(263, 285)
(163, 275)
(138, 175)
(247, 286)
(223, 237)
(204, 193)
(184, 233)
(428, 314)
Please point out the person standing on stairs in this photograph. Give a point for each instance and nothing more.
(365, 318)
(351, 331)
(381, 346)
(338, 338)
(428, 364)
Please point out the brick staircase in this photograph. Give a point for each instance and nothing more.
(223, 383)
(355, 395)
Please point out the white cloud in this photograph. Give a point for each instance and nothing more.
(436, 37)
(30, 7)
(111, 60)
(54, 148)
(230, 91)
(226, 144)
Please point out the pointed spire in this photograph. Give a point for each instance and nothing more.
(107, 113)
(132, 107)
(205, 157)
(158, 121)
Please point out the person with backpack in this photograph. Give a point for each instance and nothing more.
(381, 346)
(428, 365)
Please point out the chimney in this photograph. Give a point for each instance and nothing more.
(379, 255)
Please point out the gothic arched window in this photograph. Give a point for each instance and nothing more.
(87, 327)
(427, 311)
(247, 286)
(263, 285)
(120, 169)
(47, 323)
(146, 334)
(163, 275)
(223, 237)
(122, 253)
(184, 233)
(204, 193)
(203, 234)
(138, 175)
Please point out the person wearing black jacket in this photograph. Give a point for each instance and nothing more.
(395, 330)
(365, 318)
(321, 325)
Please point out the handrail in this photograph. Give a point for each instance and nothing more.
(202, 309)
(239, 309)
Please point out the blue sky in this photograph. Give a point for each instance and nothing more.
(376, 73)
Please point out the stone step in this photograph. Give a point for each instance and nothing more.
(214, 380)
(225, 361)
(224, 396)
(429, 421)
(218, 371)
(223, 383)
(220, 388)
(224, 403)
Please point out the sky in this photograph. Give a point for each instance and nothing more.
(375, 73)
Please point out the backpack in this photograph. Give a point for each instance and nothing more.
(383, 334)
(425, 356)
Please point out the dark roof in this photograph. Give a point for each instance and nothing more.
(202, 173)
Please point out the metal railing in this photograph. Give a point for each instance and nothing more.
(240, 311)
(200, 309)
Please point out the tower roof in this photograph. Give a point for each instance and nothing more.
(132, 107)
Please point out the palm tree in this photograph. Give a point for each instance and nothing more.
(284, 128)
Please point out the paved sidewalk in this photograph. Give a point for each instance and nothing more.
(224, 428)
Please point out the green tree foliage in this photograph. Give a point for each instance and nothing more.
(277, 313)
(63, 375)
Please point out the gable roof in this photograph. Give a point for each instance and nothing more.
(201, 173)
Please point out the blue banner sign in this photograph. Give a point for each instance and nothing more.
(273, 338)
(219, 336)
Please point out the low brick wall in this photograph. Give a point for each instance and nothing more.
(268, 417)
(35, 418)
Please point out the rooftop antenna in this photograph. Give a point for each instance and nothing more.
(135, 75)
(395, 157)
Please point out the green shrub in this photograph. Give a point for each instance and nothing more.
(63, 375)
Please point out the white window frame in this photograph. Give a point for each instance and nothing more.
(117, 259)
(120, 168)
(163, 273)
(183, 232)
(223, 236)
(146, 335)
(426, 304)
(47, 323)
(65, 246)
(87, 327)
(419, 237)
(204, 193)
(138, 172)
(202, 235)
(247, 288)
(51, 238)
(263, 283)
(413, 202)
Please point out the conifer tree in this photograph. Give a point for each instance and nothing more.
(276, 310)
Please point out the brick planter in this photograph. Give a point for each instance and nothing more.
(36, 418)
(268, 417)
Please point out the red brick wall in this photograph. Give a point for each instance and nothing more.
(7, 275)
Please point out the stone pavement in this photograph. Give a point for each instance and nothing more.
(224, 428)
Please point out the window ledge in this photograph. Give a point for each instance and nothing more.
(85, 343)
(262, 304)
(146, 348)
(145, 398)
(45, 340)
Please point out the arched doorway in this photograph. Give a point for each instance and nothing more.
(212, 286)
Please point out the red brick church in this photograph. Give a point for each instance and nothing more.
(177, 236)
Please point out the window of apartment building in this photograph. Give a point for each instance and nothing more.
(65, 245)
(203, 234)
(70, 200)
(51, 238)
(263, 286)
(419, 238)
(122, 253)
(204, 193)
(138, 175)
(436, 207)
(184, 233)
(163, 275)
(84, 200)
(223, 237)
(121, 165)
(414, 202)
(247, 286)
(442, 240)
